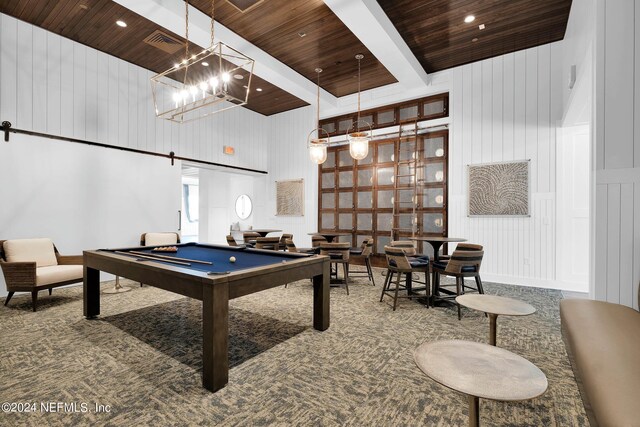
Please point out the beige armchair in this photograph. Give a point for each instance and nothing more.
(33, 265)
(159, 239)
(147, 239)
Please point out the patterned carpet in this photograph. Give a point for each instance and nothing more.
(142, 358)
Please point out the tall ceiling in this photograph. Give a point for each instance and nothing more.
(437, 35)
(291, 38)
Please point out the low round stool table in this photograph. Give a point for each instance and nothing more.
(494, 306)
(480, 371)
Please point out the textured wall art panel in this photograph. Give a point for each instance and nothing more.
(290, 198)
(499, 189)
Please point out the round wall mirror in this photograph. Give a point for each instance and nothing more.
(243, 206)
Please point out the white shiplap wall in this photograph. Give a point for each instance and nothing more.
(289, 159)
(504, 109)
(88, 197)
(53, 85)
(617, 152)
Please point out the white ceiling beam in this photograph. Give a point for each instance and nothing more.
(170, 15)
(367, 20)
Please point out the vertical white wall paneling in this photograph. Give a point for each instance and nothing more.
(149, 116)
(112, 100)
(79, 91)
(455, 144)
(67, 111)
(618, 99)
(53, 82)
(98, 197)
(486, 116)
(626, 242)
(508, 99)
(76, 91)
(24, 104)
(545, 184)
(617, 152)
(506, 114)
(123, 104)
(497, 92)
(508, 126)
(613, 243)
(289, 159)
(39, 95)
(141, 111)
(103, 107)
(600, 243)
(92, 87)
(134, 99)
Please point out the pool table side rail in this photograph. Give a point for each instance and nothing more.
(184, 281)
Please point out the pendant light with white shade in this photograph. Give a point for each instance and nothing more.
(318, 145)
(359, 134)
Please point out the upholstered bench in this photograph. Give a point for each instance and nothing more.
(603, 343)
(33, 265)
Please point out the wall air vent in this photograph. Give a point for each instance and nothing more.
(164, 41)
(244, 5)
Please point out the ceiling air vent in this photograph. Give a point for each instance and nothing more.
(164, 41)
(244, 5)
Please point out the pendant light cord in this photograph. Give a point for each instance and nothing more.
(359, 59)
(186, 28)
(213, 9)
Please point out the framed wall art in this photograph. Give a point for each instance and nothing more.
(290, 198)
(499, 189)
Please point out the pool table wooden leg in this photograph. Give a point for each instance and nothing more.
(321, 299)
(91, 292)
(215, 336)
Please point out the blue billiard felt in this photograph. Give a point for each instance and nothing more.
(219, 255)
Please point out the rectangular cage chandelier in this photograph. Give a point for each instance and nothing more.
(216, 79)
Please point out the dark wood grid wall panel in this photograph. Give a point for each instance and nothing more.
(431, 107)
(94, 26)
(356, 196)
(436, 33)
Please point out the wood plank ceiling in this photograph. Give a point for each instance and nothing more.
(92, 23)
(438, 36)
(275, 26)
(305, 34)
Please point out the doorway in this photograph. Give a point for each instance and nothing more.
(189, 220)
(573, 201)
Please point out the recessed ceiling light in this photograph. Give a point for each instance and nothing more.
(238, 76)
(121, 23)
(475, 39)
(205, 64)
(481, 27)
(469, 18)
(259, 89)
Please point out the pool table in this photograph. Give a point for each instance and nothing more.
(214, 280)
